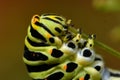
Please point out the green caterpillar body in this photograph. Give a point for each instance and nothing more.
(52, 51)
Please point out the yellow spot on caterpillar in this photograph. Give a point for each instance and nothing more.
(35, 27)
(50, 51)
(69, 21)
(81, 78)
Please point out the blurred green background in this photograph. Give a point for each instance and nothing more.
(90, 15)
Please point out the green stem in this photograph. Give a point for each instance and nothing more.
(107, 48)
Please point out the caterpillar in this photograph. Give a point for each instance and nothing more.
(52, 51)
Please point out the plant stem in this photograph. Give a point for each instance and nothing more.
(107, 48)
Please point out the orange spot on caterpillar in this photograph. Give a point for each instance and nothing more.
(64, 67)
(48, 35)
(81, 78)
(35, 19)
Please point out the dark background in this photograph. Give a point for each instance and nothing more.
(15, 16)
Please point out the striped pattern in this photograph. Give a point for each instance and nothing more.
(47, 57)
(41, 42)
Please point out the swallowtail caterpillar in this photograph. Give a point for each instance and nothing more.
(54, 51)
